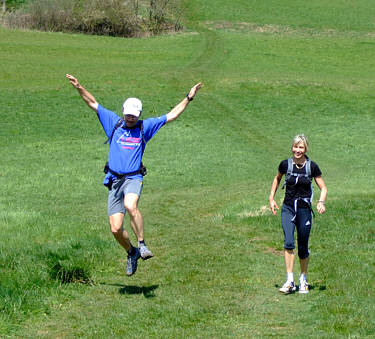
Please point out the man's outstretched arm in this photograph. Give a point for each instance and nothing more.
(85, 95)
(176, 111)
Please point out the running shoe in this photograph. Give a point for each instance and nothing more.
(288, 287)
(132, 263)
(145, 252)
(303, 287)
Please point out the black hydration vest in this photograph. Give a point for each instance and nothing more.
(292, 176)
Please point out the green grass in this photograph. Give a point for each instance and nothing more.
(218, 261)
(342, 15)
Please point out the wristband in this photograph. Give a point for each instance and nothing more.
(322, 201)
(190, 99)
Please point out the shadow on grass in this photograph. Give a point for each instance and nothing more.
(147, 291)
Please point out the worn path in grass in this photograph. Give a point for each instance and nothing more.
(218, 261)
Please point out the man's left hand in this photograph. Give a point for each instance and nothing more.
(194, 90)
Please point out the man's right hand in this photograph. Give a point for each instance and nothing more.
(87, 97)
(73, 80)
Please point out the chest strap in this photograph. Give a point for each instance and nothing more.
(290, 173)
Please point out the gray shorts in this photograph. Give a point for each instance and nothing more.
(116, 195)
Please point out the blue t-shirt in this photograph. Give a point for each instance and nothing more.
(126, 148)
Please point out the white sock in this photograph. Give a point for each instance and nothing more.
(290, 277)
(140, 243)
(303, 277)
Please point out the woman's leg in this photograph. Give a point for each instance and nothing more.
(287, 215)
(304, 263)
(304, 221)
(289, 260)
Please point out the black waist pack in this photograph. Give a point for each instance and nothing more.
(123, 176)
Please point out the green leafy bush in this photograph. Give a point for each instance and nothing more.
(113, 18)
(11, 4)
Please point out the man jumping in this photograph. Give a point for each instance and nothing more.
(127, 140)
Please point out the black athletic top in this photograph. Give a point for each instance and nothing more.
(303, 187)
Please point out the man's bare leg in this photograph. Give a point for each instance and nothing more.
(136, 223)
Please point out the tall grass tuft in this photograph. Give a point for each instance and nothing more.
(28, 276)
(132, 18)
(65, 267)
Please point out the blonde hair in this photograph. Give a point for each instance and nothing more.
(301, 138)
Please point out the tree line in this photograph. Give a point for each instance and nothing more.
(132, 18)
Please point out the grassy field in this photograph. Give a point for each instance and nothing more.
(270, 70)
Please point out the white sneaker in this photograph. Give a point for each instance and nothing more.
(303, 287)
(145, 252)
(288, 287)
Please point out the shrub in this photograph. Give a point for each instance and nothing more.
(11, 4)
(113, 17)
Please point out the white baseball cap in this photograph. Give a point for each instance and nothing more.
(132, 106)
